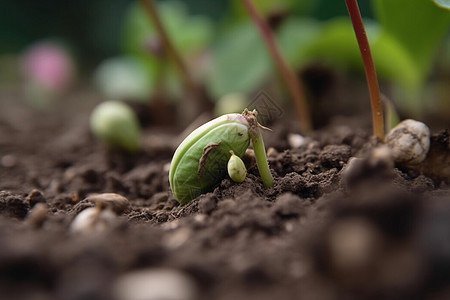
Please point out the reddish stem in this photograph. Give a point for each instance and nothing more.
(369, 68)
(168, 46)
(294, 85)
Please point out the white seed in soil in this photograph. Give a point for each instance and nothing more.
(116, 202)
(93, 219)
(409, 141)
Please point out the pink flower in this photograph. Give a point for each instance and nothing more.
(49, 65)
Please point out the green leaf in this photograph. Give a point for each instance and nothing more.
(442, 3)
(240, 61)
(418, 25)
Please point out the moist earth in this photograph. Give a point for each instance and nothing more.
(332, 226)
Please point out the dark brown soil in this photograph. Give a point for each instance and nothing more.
(324, 231)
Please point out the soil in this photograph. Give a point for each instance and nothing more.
(332, 227)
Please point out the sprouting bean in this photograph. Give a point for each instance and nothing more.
(199, 163)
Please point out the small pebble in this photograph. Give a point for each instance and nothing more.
(177, 238)
(35, 197)
(353, 245)
(381, 156)
(8, 161)
(271, 152)
(116, 202)
(249, 158)
(409, 141)
(295, 140)
(37, 215)
(155, 284)
(93, 219)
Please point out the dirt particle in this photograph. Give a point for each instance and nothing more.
(288, 205)
(35, 197)
(37, 215)
(13, 205)
(335, 156)
(206, 204)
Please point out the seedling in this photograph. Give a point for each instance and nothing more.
(117, 125)
(200, 162)
(236, 168)
(369, 68)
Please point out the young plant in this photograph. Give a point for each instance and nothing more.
(369, 68)
(200, 161)
(293, 84)
(117, 125)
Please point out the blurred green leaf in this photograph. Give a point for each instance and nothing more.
(418, 25)
(188, 33)
(124, 78)
(443, 3)
(392, 61)
(265, 7)
(336, 45)
(240, 61)
(294, 35)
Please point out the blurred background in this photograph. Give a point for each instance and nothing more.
(48, 48)
(92, 29)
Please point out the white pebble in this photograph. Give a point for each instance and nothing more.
(381, 156)
(353, 244)
(409, 141)
(295, 140)
(155, 284)
(8, 161)
(116, 202)
(93, 219)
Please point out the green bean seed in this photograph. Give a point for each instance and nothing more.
(199, 163)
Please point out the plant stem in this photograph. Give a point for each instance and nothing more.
(258, 147)
(369, 68)
(151, 10)
(293, 84)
